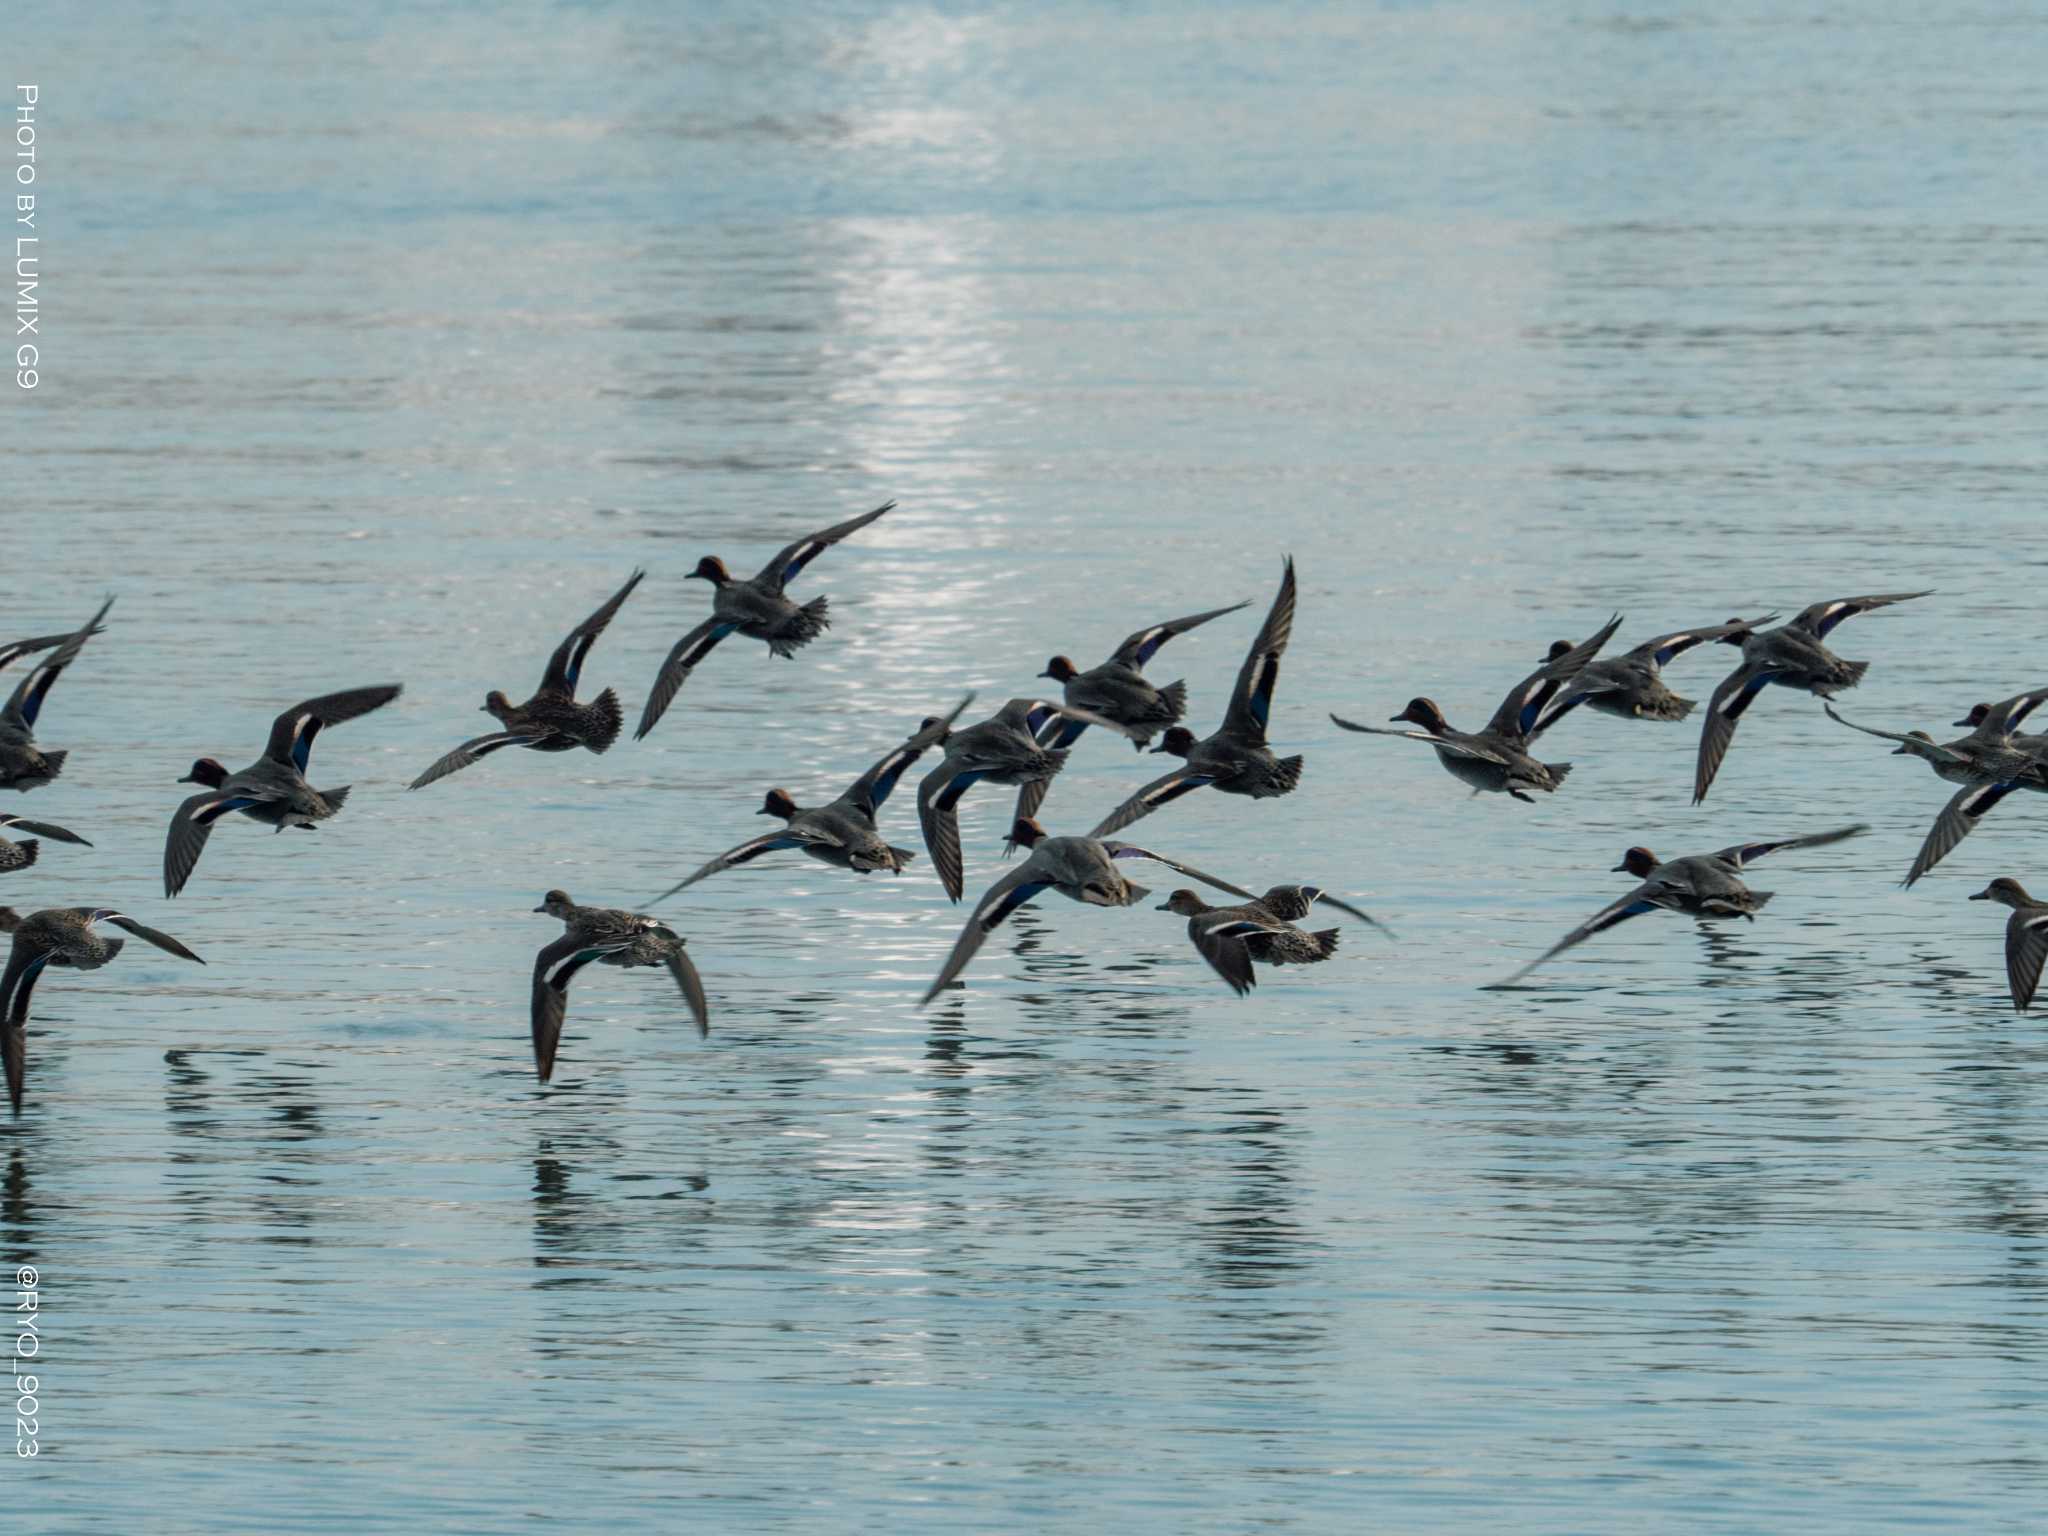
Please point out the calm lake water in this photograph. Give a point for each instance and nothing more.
(384, 345)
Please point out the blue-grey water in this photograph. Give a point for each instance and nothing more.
(383, 343)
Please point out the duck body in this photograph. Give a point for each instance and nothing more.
(610, 936)
(1631, 686)
(1232, 938)
(21, 855)
(2026, 938)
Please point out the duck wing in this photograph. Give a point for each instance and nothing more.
(1140, 647)
(1132, 851)
(1818, 620)
(2026, 946)
(1958, 819)
(1221, 942)
(2005, 717)
(997, 903)
(1935, 750)
(1660, 650)
(872, 788)
(784, 567)
(684, 970)
(1161, 791)
(292, 733)
(1458, 746)
(27, 700)
(752, 849)
(553, 969)
(1651, 895)
(1520, 711)
(675, 670)
(937, 796)
(43, 829)
(1291, 903)
(148, 935)
(476, 747)
(191, 825)
(565, 667)
(1251, 698)
(1748, 853)
(1737, 691)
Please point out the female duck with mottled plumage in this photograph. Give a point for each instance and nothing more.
(612, 936)
(1082, 869)
(24, 765)
(755, 607)
(1262, 930)
(1497, 759)
(1631, 686)
(61, 936)
(273, 789)
(1235, 758)
(2026, 937)
(20, 855)
(552, 720)
(842, 833)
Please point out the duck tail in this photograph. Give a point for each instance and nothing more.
(1288, 776)
(1326, 941)
(606, 721)
(335, 797)
(801, 628)
(1056, 759)
(1758, 899)
(53, 763)
(1175, 697)
(900, 858)
(1133, 894)
(1852, 673)
(1559, 771)
(29, 847)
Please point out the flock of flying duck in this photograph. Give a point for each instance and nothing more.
(1024, 745)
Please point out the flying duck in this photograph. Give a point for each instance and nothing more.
(1631, 686)
(1231, 938)
(1235, 759)
(23, 765)
(755, 607)
(2026, 937)
(22, 854)
(552, 720)
(273, 789)
(615, 937)
(1497, 759)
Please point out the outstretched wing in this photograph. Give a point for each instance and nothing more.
(1660, 650)
(191, 825)
(2026, 946)
(476, 747)
(1291, 903)
(691, 984)
(997, 903)
(161, 940)
(1251, 699)
(1934, 750)
(784, 567)
(1738, 690)
(1139, 648)
(565, 667)
(1133, 851)
(43, 829)
(1823, 617)
(675, 670)
(1469, 749)
(1161, 791)
(2006, 716)
(872, 788)
(27, 700)
(1748, 853)
(14, 650)
(746, 853)
(1647, 897)
(1524, 705)
(553, 968)
(1044, 712)
(937, 795)
(1958, 819)
(25, 962)
(292, 733)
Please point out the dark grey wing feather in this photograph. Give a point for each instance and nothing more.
(1159, 792)
(1936, 749)
(681, 660)
(457, 758)
(292, 733)
(784, 567)
(161, 940)
(191, 825)
(26, 702)
(2026, 946)
(1457, 748)
(872, 788)
(1958, 819)
(1647, 897)
(1141, 646)
(996, 904)
(44, 829)
(684, 971)
(553, 968)
(1747, 853)
(1819, 619)
(565, 667)
(1251, 697)
(745, 853)
(1133, 851)
(1222, 944)
(1737, 691)
(1520, 711)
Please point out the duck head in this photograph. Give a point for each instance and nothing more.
(1637, 861)
(9, 919)
(1737, 637)
(1916, 744)
(1027, 833)
(208, 772)
(555, 904)
(495, 703)
(2007, 891)
(1423, 712)
(712, 569)
(927, 723)
(1178, 740)
(777, 802)
(1185, 902)
(1061, 670)
(1976, 716)
(1558, 648)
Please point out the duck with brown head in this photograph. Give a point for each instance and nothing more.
(1497, 759)
(552, 720)
(21, 855)
(1263, 930)
(273, 789)
(842, 832)
(756, 607)
(1708, 885)
(1631, 686)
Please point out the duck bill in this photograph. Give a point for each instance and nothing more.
(1983, 895)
